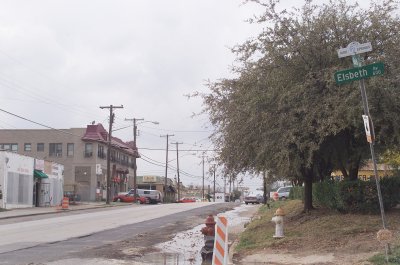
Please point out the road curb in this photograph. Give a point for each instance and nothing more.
(58, 211)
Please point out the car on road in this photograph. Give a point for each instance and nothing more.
(153, 196)
(251, 198)
(130, 198)
(187, 199)
(283, 192)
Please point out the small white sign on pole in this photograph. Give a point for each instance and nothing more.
(367, 128)
(354, 48)
(99, 171)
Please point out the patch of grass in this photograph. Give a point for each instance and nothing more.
(321, 230)
(380, 259)
(259, 233)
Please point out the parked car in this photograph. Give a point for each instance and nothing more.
(283, 192)
(251, 199)
(260, 198)
(187, 199)
(130, 198)
(153, 196)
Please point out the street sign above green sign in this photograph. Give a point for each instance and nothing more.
(358, 73)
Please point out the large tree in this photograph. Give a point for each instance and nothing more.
(283, 111)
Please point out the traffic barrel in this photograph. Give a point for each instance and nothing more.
(65, 203)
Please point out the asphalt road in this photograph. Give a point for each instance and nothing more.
(99, 233)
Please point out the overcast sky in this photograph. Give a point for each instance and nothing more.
(61, 60)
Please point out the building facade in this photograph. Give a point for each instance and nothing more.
(158, 183)
(83, 152)
(366, 172)
(28, 182)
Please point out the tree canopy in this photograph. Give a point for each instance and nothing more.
(283, 112)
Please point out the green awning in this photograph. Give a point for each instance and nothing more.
(39, 174)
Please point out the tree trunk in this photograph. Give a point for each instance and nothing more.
(353, 168)
(343, 170)
(308, 180)
(265, 187)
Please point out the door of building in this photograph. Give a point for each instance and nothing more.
(44, 194)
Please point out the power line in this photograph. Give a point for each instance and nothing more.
(150, 162)
(157, 163)
(26, 119)
(180, 131)
(40, 97)
(183, 150)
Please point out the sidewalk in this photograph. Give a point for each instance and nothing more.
(236, 230)
(21, 212)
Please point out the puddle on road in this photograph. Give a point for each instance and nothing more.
(185, 247)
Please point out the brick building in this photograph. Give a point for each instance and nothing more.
(83, 152)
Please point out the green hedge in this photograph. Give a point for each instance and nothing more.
(354, 196)
(296, 193)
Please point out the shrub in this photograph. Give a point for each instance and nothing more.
(357, 196)
(296, 193)
(327, 194)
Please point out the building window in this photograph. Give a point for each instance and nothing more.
(27, 147)
(40, 147)
(88, 149)
(14, 147)
(100, 152)
(112, 153)
(9, 147)
(5, 147)
(118, 155)
(70, 149)
(55, 149)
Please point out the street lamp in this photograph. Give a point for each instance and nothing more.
(134, 120)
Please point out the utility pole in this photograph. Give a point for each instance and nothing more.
(224, 186)
(214, 183)
(134, 120)
(177, 168)
(230, 187)
(233, 184)
(203, 179)
(265, 197)
(166, 167)
(111, 121)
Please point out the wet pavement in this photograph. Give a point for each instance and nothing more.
(185, 247)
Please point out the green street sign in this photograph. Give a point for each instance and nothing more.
(358, 73)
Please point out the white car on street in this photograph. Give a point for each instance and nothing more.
(283, 192)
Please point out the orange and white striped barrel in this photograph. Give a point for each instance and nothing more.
(220, 253)
(65, 203)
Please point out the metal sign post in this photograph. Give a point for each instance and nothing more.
(353, 50)
(371, 146)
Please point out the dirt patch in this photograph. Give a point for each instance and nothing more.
(321, 237)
